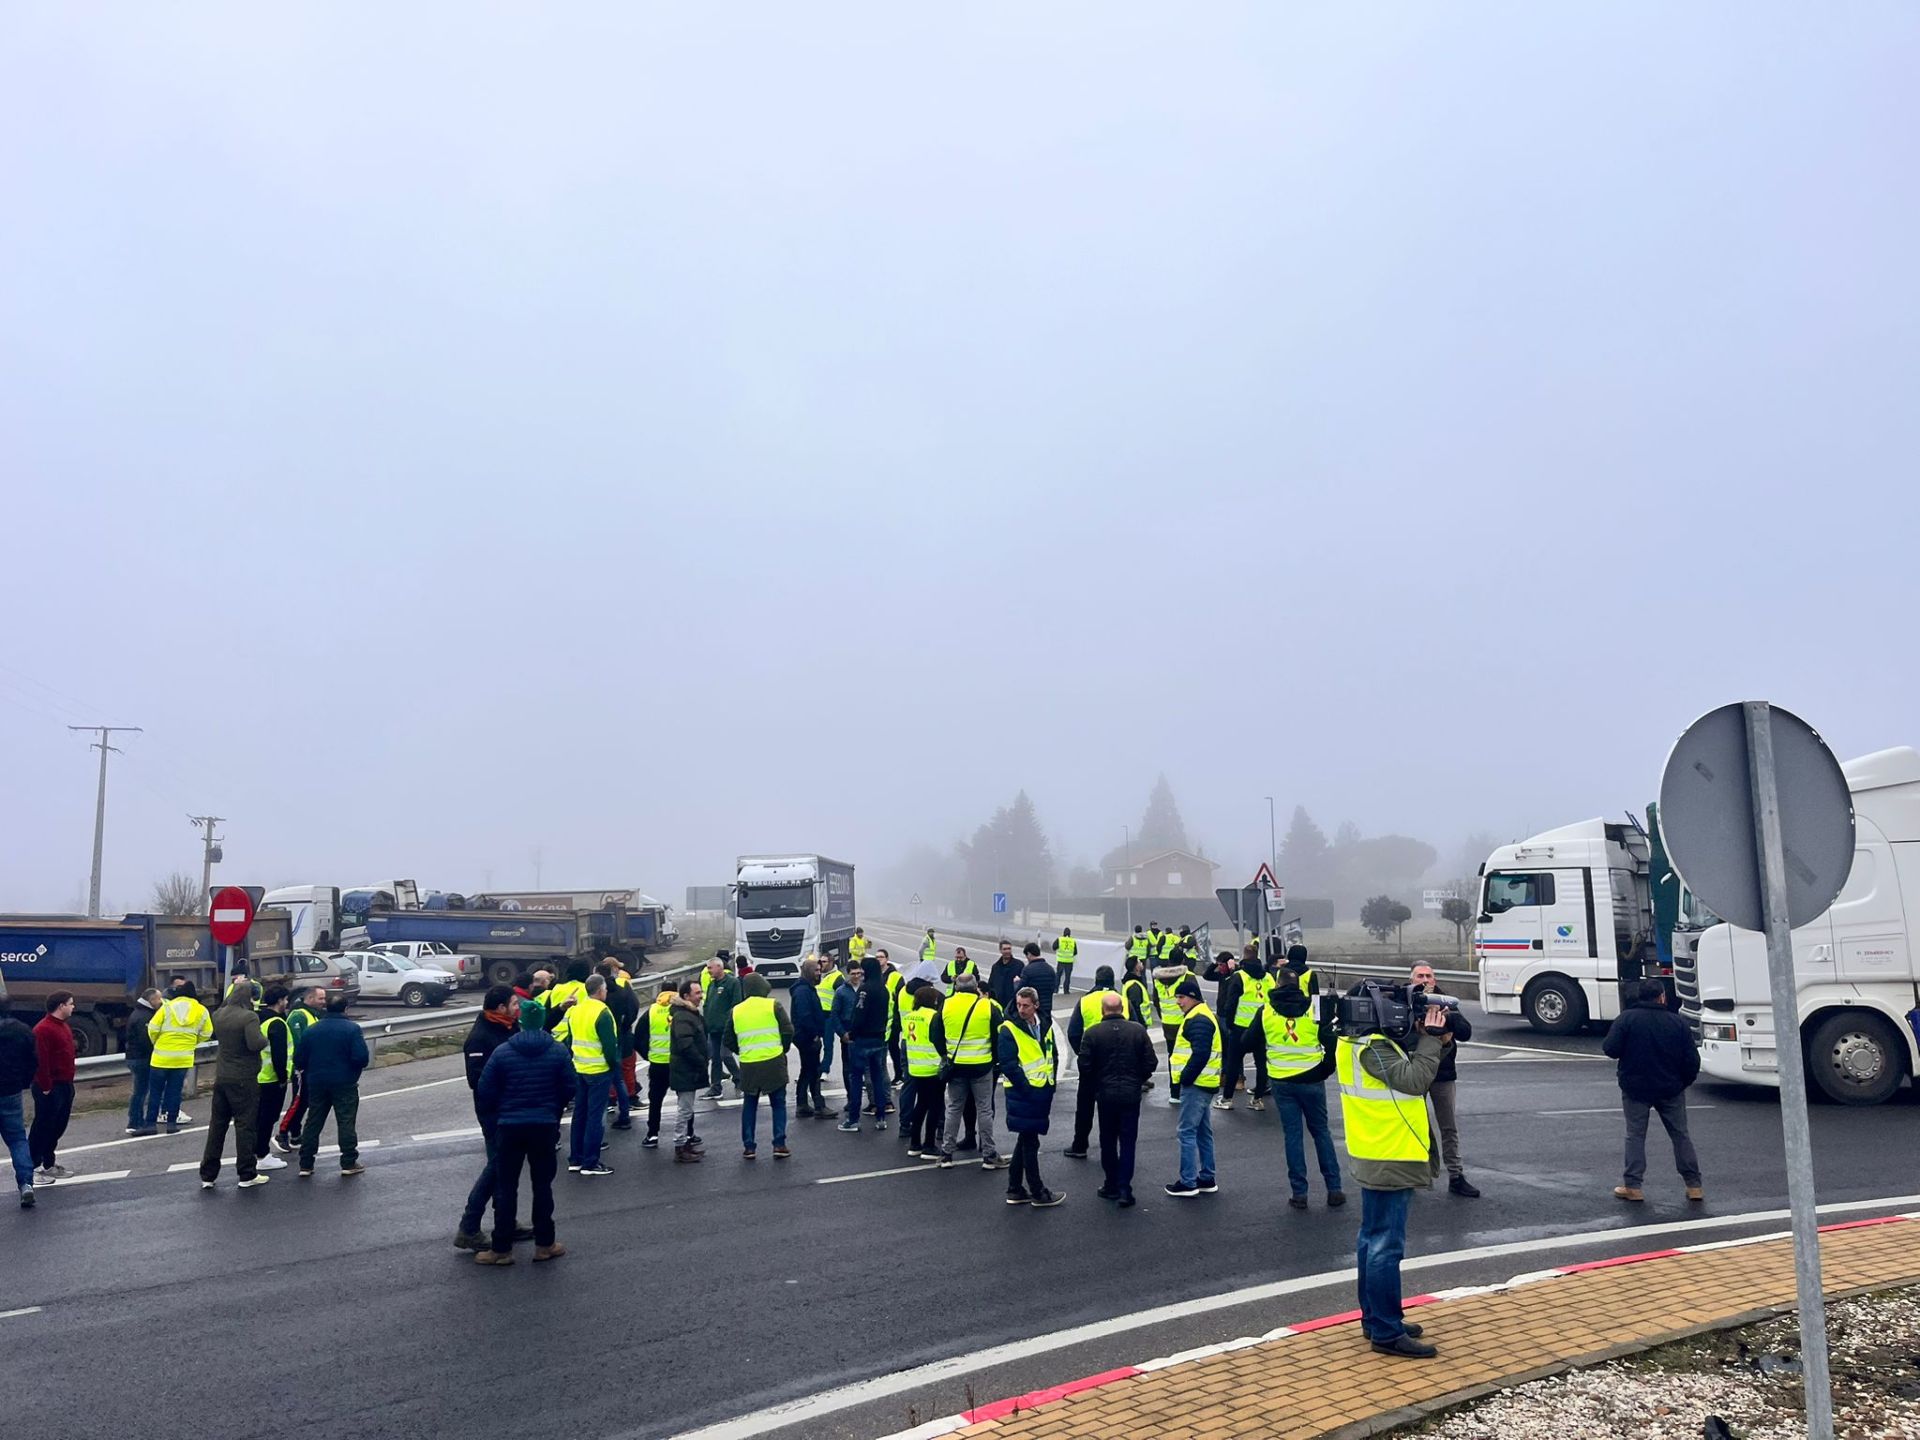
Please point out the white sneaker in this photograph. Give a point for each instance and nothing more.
(183, 1118)
(270, 1162)
(1221, 1103)
(250, 1184)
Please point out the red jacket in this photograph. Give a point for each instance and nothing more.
(53, 1048)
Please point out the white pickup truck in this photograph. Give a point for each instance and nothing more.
(464, 970)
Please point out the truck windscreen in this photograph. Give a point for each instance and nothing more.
(774, 902)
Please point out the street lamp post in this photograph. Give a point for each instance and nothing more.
(1126, 850)
(1273, 842)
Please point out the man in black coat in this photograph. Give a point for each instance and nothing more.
(499, 1017)
(1042, 979)
(1657, 1061)
(1116, 1060)
(1446, 1114)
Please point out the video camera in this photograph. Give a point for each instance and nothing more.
(1395, 1011)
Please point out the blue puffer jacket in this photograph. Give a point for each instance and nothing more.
(527, 1081)
(1028, 1106)
(333, 1052)
(809, 1016)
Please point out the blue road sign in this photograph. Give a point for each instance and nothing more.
(999, 902)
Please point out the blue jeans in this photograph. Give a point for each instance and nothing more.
(589, 1130)
(750, 1109)
(163, 1095)
(13, 1130)
(1303, 1107)
(482, 1192)
(1383, 1240)
(144, 1081)
(1196, 1134)
(867, 1062)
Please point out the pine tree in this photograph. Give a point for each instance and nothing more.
(1161, 827)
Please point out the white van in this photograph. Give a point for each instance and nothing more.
(1565, 917)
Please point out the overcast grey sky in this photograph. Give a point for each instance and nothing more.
(651, 433)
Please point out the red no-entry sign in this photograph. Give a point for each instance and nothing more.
(230, 916)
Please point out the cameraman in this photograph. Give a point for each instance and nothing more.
(1390, 1143)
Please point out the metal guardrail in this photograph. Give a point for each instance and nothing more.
(114, 1067)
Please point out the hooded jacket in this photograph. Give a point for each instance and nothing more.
(872, 1011)
(236, 1030)
(1654, 1051)
(1287, 1000)
(722, 995)
(526, 1081)
(809, 1015)
(139, 1042)
(689, 1050)
(1044, 980)
(19, 1056)
(762, 1077)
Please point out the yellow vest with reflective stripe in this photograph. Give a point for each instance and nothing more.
(1134, 991)
(575, 990)
(756, 1029)
(1183, 1052)
(1168, 943)
(930, 950)
(1381, 1123)
(1090, 1007)
(1253, 996)
(893, 981)
(1163, 998)
(824, 987)
(1138, 947)
(1036, 1056)
(660, 1033)
(916, 1035)
(966, 1021)
(857, 948)
(583, 1037)
(956, 968)
(1293, 1043)
(268, 1076)
(1066, 948)
(176, 1028)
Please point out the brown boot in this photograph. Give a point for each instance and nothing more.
(1627, 1192)
(1694, 1192)
(494, 1257)
(548, 1252)
(685, 1155)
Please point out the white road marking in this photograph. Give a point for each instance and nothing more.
(335, 1149)
(409, 1089)
(24, 1310)
(90, 1179)
(876, 1174)
(1532, 1050)
(465, 1134)
(130, 1140)
(183, 1165)
(861, 1392)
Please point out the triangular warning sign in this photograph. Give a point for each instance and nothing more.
(1263, 878)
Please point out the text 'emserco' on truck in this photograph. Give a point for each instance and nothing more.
(787, 907)
(1569, 917)
(1854, 967)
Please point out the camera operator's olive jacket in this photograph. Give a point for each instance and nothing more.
(1412, 1075)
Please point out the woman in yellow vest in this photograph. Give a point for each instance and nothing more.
(759, 1032)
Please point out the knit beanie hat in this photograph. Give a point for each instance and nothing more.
(1189, 988)
(533, 1015)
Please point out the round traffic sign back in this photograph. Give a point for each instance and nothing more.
(230, 916)
(1706, 816)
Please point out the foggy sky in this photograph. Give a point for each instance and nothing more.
(653, 433)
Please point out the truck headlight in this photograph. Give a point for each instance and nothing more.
(1718, 1030)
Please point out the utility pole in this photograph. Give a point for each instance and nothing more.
(100, 804)
(1126, 849)
(210, 854)
(1273, 841)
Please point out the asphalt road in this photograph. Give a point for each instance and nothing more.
(726, 1290)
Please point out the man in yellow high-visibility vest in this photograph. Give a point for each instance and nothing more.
(1295, 1032)
(1065, 951)
(1390, 1145)
(590, 1035)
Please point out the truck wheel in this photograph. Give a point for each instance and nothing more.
(90, 1036)
(1856, 1058)
(413, 996)
(502, 972)
(1554, 1006)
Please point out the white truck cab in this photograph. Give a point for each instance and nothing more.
(1565, 917)
(1859, 986)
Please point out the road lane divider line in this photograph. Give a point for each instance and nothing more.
(23, 1310)
(409, 1089)
(90, 1179)
(130, 1140)
(877, 1174)
(183, 1167)
(465, 1134)
(880, 1387)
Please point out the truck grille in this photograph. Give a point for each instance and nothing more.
(1686, 988)
(785, 948)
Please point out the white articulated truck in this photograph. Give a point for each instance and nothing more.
(787, 907)
(1858, 982)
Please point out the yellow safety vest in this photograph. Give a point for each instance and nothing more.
(1293, 1043)
(575, 990)
(956, 968)
(1036, 1056)
(1253, 997)
(1135, 992)
(916, 1034)
(857, 948)
(176, 1028)
(756, 1029)
(1139, 947)
(1169, 942)
(1090, 1007)
(660, 1033)
(824, 987)
(268, 1075)
(1183, 1052)
(967, 1023)
(1381, 1123)
(930, 950)
(893, 981)
(1065, 948)
(1163, 992)
(583, 1038)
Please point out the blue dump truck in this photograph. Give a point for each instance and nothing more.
(509, 941)
(107, 963)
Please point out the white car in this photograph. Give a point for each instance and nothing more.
(383, 977)
(432, 955)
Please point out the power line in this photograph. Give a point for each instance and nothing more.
(100, 803)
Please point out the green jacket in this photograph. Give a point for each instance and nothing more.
(761, 1077)
(236, 1029)
(722, 995)
(1411, 1076)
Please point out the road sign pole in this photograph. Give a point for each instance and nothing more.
(1792, 1067)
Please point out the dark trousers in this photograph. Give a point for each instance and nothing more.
(867, 1065)
(343, 1103)
(657, 1087)
(1119, 1131)
(1083, 1110)
(481, 1195)
(235, 1103)
(1024, 1175)
(1066, 977)
(1172, 1032)
(897, 1055)
(807, 1093)
(1673, 1115)
(52, 1109)
(724, 1061)
(929, 1111)
(537, 1147)
(1232, 1059)
(296, 1108)
(589, 1133)
(143, 1082)
(266, 1115)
